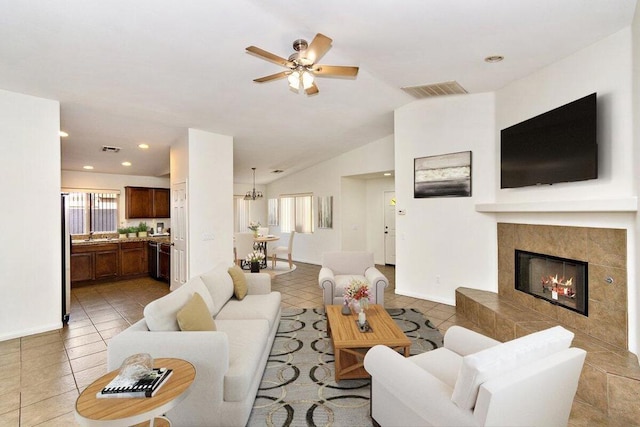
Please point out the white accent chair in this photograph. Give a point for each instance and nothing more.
(282, 250)
(243, 247)
(476, 381)
(263, 231)
(339, 268)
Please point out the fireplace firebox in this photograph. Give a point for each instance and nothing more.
(561, 281)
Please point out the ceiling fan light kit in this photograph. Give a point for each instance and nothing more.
(302, 64)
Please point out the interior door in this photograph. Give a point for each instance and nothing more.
(179, 207)
(390, 227)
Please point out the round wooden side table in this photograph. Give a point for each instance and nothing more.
(123, 412)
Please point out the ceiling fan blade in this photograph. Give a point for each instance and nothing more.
(312, 90)
(275, 76)
(270, 56)
(335, 70)
(318, 47)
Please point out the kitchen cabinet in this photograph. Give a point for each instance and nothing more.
(138, 202)
(81, 267)
(161, 204)
(133, 258)
(147, 202)
(94, 262)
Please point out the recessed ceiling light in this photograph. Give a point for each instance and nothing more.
(63, 134)
(493, 58)
(87, 167)
(126, 163)
(143, 146)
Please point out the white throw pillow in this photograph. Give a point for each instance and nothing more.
(160, 314)
(220, 286)
(495, 361)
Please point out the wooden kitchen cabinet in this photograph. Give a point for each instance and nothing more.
(133, 258)
(81, 267)
(161, 203)
(138, 202)
(147, 202)
(106, 262)
(94, 262)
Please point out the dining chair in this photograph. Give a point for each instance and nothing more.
(284, 250)
(243, 246)
(263, 231)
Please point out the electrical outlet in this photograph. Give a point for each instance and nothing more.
(437, 280)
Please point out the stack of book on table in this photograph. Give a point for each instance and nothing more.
(145, 387)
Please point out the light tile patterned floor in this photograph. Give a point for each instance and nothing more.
(43, 374)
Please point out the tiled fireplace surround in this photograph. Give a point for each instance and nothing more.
(610, 380)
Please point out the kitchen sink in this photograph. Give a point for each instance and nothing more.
(105, 239)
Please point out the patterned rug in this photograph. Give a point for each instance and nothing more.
(298, 386)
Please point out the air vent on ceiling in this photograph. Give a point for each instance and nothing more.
(110, 149)
(437, 89)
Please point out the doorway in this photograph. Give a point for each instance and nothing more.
(179, 224)
(390, 227)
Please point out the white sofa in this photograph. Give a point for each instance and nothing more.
(339, 268)
(229, 362)
(474, 380)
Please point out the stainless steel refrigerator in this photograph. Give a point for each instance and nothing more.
(66, 258)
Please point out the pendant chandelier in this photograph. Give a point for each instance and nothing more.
(253, 194)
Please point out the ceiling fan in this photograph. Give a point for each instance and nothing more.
(302, 64)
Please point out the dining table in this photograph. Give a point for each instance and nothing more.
(261, 242)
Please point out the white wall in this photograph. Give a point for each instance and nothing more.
(573, 77)
(210, 200)
(448, 238)
(576, 76)
(105, 181)
(633, 293)
(443, 243)
(352, 208)
(325, 179)
(31, 255)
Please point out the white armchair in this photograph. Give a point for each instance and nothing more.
(476, 381)
(339, 268)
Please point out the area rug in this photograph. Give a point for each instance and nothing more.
(281, 267)
(298, 386)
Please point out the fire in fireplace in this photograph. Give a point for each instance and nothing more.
(560, 281)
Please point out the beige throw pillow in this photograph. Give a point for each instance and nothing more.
(239, 282)
(195, 315)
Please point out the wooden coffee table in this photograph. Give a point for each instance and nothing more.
(112, 412)
(350, 345)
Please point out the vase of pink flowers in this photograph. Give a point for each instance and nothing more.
(357, 295)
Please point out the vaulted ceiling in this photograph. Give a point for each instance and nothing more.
(130, 72)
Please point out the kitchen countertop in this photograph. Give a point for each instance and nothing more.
(101, 241)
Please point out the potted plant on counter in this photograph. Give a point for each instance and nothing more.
(142, 229)
(122, 232)
(132, 231)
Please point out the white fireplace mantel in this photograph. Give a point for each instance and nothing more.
(625, 204)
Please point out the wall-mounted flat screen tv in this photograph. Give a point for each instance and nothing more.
(557, 146)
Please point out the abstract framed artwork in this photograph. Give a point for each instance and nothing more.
(325, 212)
(446, 175)
(272, 212)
